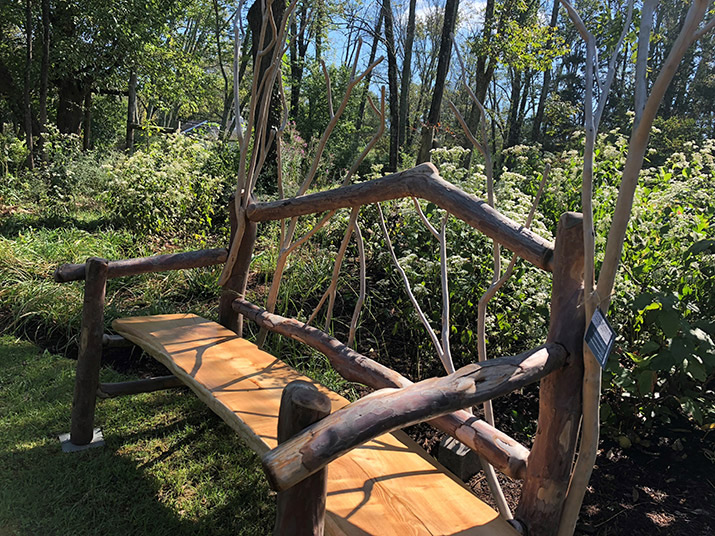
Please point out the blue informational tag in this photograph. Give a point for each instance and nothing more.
(600, 337)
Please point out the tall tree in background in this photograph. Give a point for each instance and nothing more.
(44, 73)
(268, 177)
(428, 28)
(27, 86)
(298, 48)
(546, 85)
(392, 84)
(368, 77)
(406, 80)
(227, 92)
(445, 53)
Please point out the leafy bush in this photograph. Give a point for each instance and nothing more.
(173, 186)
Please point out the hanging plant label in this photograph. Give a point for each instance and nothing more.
(600, 337)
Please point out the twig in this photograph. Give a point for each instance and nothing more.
(290, 231)
(445, 292)
(331, 113)
(363, 286)
(408, 288)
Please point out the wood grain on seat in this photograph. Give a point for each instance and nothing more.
(386, 487)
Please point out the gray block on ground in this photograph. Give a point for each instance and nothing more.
(68, 446)
(458, 458)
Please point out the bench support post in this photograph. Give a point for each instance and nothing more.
(90, 352)
(551, 457)
(235, 287)
(301, 509)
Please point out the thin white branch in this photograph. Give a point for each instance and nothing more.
(332, 291)
(373, 141)
(363, 286)
(445, 293)
(424, 219)
(641, 76)
(606, 89)
(408, 288)
(302, 240)
(326, 74)
(357, 55)
(465, 128)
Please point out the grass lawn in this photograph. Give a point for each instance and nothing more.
(169, 466)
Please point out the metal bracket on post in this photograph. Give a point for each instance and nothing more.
(458, 458)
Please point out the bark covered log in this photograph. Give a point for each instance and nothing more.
(551, 458)
(300, 510)
(235, 286)
(424, 182)
(389, 409)
(502, 451)
(144, 265)
(90, 353)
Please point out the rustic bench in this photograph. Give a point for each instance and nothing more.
(378, 480)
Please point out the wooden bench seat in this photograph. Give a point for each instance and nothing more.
(388, 486)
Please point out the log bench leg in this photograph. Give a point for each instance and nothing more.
(301, 509)
(90, 352)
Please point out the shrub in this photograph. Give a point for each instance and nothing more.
(172, 187)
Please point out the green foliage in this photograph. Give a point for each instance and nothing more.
(663, 310)
(65, 178)
(173, 186)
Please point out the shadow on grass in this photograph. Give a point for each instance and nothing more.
(169, 466)
(11, 225)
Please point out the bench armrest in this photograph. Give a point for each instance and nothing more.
(390, 409)
(144, 265)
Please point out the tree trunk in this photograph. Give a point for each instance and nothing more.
(541, 107)
(70, 107)
(298, 48)
(28, 70)
(513, 125)
(131, 110)
(87, 126)
(227, 94)
(268, 177)
(368, 77)
(392, 85)
(406, 81)
(44, 73)
(445, 53)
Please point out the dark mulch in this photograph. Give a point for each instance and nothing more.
(666, 488)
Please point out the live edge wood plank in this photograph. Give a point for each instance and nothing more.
(387, 487)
